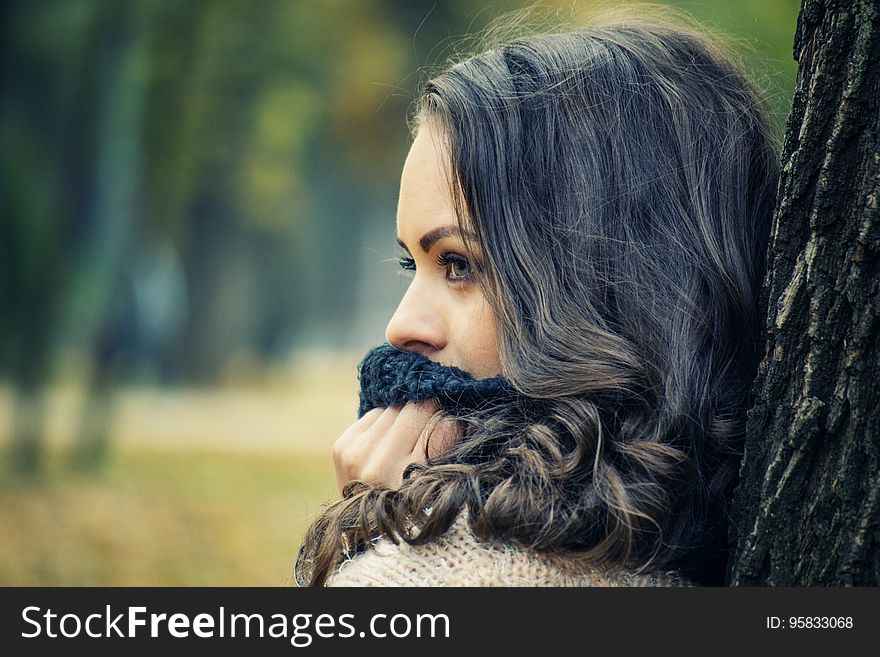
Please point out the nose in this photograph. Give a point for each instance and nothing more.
(416, 326)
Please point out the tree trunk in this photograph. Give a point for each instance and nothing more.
(807, 509)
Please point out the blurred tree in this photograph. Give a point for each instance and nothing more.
(807, 510)
(113, 215)
(47, 110)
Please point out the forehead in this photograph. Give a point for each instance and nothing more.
(425, 186)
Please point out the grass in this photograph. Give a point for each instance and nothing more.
(203, 487)
(162, 518)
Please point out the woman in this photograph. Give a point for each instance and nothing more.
(563, 397)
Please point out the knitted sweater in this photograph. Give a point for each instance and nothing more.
(458, 558)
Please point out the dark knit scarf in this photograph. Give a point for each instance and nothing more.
(389, 376)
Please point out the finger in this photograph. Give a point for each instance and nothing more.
(437, 439)
(354, 432)
(372, 443)
(384, 421)
(370, 417)
(379, 452)
(410, 424)
(372, 423)
(354, 448)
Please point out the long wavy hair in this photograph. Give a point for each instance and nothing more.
(620, 179)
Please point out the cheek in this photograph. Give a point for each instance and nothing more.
(480, 343)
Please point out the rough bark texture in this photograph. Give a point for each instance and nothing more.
(807, 511)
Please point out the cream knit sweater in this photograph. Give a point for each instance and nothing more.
(458, 558)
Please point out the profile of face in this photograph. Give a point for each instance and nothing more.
(443, 315)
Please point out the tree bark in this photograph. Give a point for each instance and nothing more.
(807, 509)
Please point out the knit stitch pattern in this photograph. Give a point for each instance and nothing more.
(389, 377)
(460, 559)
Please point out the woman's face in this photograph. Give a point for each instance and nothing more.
(443, 315)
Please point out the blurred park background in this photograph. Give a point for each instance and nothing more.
(197, 203)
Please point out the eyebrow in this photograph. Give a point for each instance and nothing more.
(429, 238)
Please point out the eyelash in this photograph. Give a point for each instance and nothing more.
(444, 260)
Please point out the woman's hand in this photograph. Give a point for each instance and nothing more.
(378, 447)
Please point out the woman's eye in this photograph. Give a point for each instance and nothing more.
(457, 268)
(460, 270)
